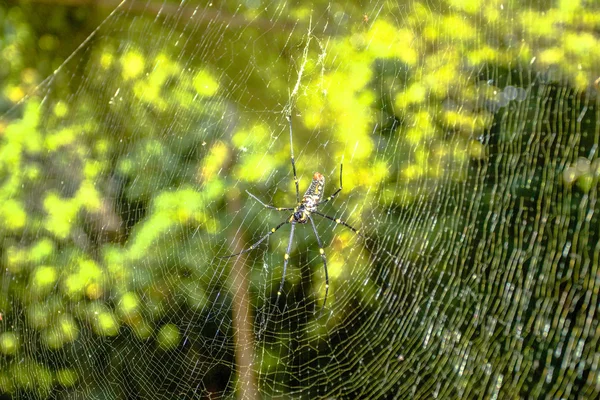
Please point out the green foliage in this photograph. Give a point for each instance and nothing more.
(105, 201)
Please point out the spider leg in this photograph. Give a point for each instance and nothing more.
(340, 222)
(289, 118)
(338, 190)
(322, 252)
(266, 205)
(286, 258)
(357, 231)
(287, 221)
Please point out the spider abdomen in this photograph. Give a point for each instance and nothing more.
(314, 193)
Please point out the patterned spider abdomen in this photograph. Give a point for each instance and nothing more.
(314, 193)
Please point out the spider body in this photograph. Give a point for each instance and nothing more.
(310, 200)
(301, 214)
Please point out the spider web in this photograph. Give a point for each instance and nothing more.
(468, 134)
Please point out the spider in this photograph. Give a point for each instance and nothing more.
(302, 214)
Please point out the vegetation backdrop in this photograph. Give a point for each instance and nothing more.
(130, 133)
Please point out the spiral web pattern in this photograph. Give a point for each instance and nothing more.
(474, 183)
